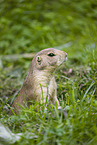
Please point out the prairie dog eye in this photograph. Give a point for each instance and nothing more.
(51, 54)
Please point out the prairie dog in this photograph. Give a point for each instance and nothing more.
(41, 75)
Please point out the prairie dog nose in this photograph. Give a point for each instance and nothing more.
(66, 54)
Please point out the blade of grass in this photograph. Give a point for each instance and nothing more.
(87, 91)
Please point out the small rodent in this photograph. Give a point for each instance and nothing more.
(40, 75)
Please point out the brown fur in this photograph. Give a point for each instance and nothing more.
(41, 72)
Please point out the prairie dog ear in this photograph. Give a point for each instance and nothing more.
(38, 60)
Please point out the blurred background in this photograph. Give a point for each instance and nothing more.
(31, 25)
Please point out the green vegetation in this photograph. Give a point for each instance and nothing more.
(28, 26)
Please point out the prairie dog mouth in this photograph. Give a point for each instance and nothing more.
(66, 58)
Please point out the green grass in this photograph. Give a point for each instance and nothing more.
(77, 92)
(29, 27)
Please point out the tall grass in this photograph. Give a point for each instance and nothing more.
(77, 92)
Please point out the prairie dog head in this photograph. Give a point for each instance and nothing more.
(49, 59)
